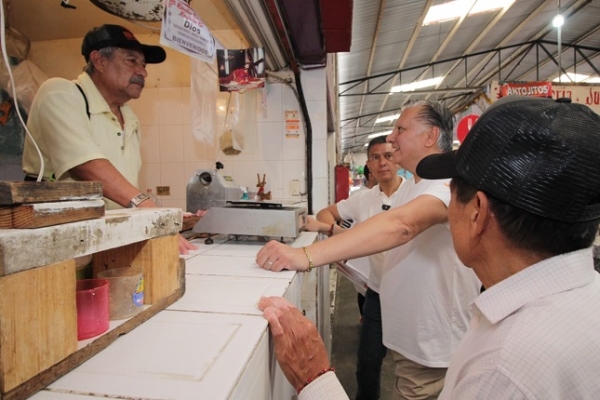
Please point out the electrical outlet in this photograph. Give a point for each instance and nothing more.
(163, 190)
(295, 187)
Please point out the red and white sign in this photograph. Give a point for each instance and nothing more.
(534, 89)
(464, 126)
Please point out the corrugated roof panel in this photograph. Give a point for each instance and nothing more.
(397, 27)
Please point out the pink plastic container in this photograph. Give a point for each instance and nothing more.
(92, 307)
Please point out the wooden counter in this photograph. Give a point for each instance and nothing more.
(38, 318)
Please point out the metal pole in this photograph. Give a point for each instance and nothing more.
(559, 48)
(559, 56)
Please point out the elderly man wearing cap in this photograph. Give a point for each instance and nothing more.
(525, 210)
(84, 128)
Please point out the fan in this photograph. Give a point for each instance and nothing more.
(134, 10)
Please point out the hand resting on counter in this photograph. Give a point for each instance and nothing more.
(299, 349)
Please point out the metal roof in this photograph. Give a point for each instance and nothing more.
(390, 46)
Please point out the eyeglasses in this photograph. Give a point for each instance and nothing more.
(385, 207)
(377, 157)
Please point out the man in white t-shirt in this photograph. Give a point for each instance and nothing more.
(359, 207)
(425, 289)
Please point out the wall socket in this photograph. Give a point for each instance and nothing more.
(163, 190)
(295, 187)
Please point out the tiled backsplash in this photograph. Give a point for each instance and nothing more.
(171, 154)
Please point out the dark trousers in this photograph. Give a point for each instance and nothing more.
(361, 302)
(371, 350)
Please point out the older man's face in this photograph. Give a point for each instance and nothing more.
(408, 138)
(124, 73)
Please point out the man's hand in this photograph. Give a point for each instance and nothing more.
(299, 349)
(277, 256)
(185, 246)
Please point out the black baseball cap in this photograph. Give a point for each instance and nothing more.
(118, 36)
(539, 155)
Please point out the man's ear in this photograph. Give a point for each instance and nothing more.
(481, 213)
(98, 60)
(432, 136)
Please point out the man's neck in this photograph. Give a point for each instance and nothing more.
(391, 186)
(114, 102)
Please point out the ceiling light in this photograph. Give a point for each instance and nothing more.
(388, 118)
(571, 77)
(409, 87)
(558, 21)
(373, 135)
(455, 9)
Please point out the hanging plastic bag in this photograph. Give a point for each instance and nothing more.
(203, 102)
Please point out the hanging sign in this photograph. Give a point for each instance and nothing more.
(183, 30)
(533, 89)
(464, 126)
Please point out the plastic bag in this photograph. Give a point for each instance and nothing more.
(203, 101)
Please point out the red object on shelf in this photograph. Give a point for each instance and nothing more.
(342, 182)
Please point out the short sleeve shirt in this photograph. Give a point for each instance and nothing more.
(67, 137)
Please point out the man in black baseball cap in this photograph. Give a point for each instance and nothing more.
(85, 129)
(524, 211)
(118, 36)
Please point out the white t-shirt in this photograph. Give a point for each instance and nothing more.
(426, 292)
(535, 335)
(360, 207)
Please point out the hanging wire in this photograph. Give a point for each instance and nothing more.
(14, 90)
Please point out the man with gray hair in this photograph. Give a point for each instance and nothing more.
(425, 290)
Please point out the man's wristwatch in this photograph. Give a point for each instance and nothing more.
(137, 200)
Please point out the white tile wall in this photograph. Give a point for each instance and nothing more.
(171, 154)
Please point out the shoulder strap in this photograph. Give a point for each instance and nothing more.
(87, 106)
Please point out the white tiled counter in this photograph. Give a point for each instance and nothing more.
(212, 344)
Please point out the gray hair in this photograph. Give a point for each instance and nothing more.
(435, 113)
(106, 52)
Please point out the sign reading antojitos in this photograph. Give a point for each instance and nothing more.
(534, 89)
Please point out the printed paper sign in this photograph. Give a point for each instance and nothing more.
(184, 31)
(292, 124)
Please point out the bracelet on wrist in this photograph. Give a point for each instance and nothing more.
(310, 263)
(326, 370)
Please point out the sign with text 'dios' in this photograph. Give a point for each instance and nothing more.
(183, 30)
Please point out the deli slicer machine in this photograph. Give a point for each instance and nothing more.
(217, 193)
(209, 188)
